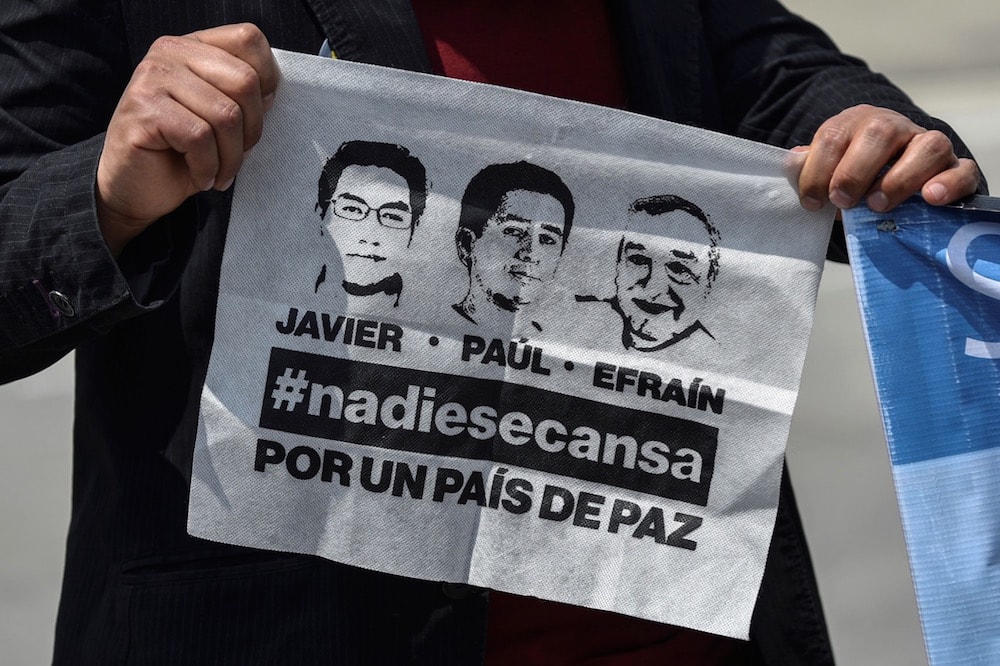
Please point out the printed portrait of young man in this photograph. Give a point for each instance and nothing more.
(513, 227)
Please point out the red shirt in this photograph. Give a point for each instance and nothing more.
(563, 48)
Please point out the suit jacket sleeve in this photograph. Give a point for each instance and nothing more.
(63, 66)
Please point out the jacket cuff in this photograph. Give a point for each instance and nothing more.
(59, 282)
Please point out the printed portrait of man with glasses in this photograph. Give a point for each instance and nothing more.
(371, 196)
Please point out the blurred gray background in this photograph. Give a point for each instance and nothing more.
(946, 56)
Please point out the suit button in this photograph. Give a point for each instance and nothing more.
(62, 303)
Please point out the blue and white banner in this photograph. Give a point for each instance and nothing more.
(928, 282)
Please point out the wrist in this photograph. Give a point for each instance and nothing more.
(118, 230)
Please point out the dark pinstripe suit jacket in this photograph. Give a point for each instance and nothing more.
(137, 589)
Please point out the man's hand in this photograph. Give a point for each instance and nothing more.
(844, 163)
(193, 108)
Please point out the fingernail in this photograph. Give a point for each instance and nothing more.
(841, 199)
(226, 185)
(938, 192)
(268, 101)
(800, 149)
(811, 204)
(207, 185)
(878, 202)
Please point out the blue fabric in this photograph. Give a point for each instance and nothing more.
(927, 281)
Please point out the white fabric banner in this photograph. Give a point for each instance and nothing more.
(477, 335)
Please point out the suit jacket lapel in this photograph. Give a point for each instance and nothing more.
(378, 32)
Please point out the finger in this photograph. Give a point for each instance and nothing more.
(795, 159)
(233, 77)
(240, 83)
(152, 118)
(227, 120)
(926, 155)
(827, 148)
(877, 139)
(193, 138)
(958, 181)
(187, 135)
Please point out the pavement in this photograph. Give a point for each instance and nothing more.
(946, 58)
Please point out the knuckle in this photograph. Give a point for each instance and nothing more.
(969, 173)
(857, 114)
(229, 115)
(937, 145)
(247, 81)
(144, 96)
(882, 130)
(144, 102)
(148, 71)
(137, 134)
(248, 36)
(832, 136)
(968, 168)
(167, 44)
(146, 67)
(199, 134)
